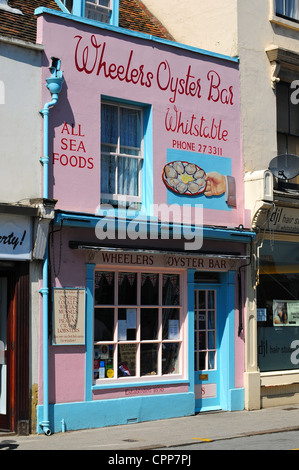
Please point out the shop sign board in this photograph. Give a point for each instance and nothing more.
(15, 237)
(200, 263)
(284, 219)
(69, 316)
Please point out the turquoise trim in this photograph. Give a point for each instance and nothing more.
(89, 331)
(127, 32)
(108, 386)
(190, 334)
(101, 413)
(90, 221)
(61, 5)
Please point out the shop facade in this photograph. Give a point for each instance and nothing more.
(148, 248)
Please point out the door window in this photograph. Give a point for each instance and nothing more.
(205, 329)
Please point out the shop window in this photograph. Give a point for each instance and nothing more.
(288, 9)
(121, 155)
(278, 305)
(137, 325)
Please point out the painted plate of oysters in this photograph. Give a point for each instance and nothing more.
(184, 178)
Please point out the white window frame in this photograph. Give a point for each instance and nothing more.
(138, 341)
(116, 197)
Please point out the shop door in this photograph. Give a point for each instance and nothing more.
(206, 348)
(4, 356)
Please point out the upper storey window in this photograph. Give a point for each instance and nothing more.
(99, 10)
(288, 9)
(105, 11)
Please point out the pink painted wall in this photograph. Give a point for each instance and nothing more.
(195, 105)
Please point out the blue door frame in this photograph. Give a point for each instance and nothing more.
(227, 397)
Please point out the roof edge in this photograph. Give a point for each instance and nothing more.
(42, 10)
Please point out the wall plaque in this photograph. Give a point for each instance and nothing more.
(69, 316)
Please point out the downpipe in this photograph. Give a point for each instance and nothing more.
(54, 85)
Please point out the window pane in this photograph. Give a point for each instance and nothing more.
(149, 289)
(148, 359)
(170, 358)
(130, 127)
(202, 361)
(103, 361)
(171, 323)
(104, 324)
(126, 360)
(127, 288)
(280, 7)
(211, 340)
(200, 301)
(292, 9)
(282, 97)
(202, 340)
(171, 289)
(104, 288)
(211, 299)
(127, 324)
(128, 176)
(108, 170)
(149, 323)
(211, 320)
(109, 124)
(211, 359)
(202, 320)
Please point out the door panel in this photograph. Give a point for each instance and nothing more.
(206, 348)
(4, 356)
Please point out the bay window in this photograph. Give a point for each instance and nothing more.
(137, 325)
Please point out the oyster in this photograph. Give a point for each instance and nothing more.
(179, 167)
(170, 172)
(182, 188)
(193, 188)
(190, 168)
(199, 174)
(200, 181)
(173, 182)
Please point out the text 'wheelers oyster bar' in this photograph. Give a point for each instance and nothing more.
(148, 248)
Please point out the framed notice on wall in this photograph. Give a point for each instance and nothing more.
(68, 316)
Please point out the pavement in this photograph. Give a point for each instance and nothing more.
(162, 434)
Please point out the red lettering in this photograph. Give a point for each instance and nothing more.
(216, 93)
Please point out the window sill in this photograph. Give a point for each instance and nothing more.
(278, 378)
(284, 22)
(138, 383)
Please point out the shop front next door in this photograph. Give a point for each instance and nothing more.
(206, 348)
(4, 356)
